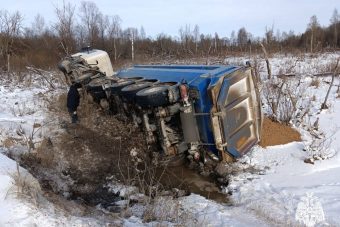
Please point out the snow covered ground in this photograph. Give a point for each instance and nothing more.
(304, 64)
(21, 200)
(280, 192)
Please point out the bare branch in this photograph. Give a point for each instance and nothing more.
(335, 72)
(267, 61)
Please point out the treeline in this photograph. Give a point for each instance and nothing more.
(42, 45)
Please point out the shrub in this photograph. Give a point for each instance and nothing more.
(285, 99)
(315, 82)
(25, 186)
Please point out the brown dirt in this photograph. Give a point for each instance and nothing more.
(274, 133)
(87, 153)
(94, 154)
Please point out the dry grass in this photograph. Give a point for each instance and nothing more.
(58, 104)
(315, 82)
(8, 142)
(163, 209)
(25, 186)
(30, 137)
(45, 153)
(319, 147)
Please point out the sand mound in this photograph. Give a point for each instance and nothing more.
(274, 133)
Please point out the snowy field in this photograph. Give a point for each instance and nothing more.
(274, 186)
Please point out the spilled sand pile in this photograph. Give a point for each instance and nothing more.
(274, 133)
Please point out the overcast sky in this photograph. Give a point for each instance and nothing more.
(221, 16)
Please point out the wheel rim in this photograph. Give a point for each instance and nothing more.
(96, 82)
(123, 83)
(133, 87)
(153, 90)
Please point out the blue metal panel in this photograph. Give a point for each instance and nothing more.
(164, 75)
(192, 67)
(177, 73)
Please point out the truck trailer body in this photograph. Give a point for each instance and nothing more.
(184, 109)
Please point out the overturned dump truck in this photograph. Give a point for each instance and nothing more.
(197, 110)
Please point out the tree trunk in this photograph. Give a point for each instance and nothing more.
(338, 90)
(311, 42)
(8, 62)
(324, 104)
(267, 61)
(115, 49)
(253, 73)
(335, 36)
(132, 50)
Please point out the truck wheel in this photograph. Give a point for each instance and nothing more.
(98, 95)
(117, 87)
(153, 96)
(95, 85)
(129, 92)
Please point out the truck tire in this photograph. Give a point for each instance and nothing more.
(98, 95)
(129, 92)
(117, 87)
(95, 85)
(153, 96)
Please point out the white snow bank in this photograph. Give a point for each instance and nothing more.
(16, 209)
(275, 196)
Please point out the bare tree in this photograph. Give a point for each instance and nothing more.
(242, 37)
(142, 33)
(114, 30)
(103, 26)
(334, 22)
(65, 26)
(216, 41)
(335, 72)
(132, 47)
(133, 35)
(267, 61)
(278, 36)
(90, 17)
(38, 25)
(196, 34)
(186, 37)
(233, 38)
(269, 35)
(10, 28)
(313, 26)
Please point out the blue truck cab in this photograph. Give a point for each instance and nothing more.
(191, 109)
